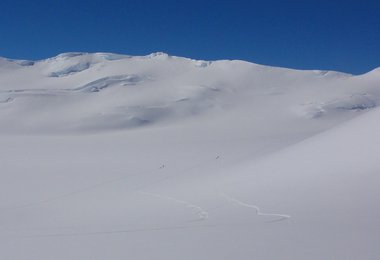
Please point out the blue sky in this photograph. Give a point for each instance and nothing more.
(333, 35)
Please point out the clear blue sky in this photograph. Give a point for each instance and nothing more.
(337, 35)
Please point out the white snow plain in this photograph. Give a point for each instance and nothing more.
(106, 156)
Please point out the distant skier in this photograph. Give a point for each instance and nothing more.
(162, 166)
(217, 157)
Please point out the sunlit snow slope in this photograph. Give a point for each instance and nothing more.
(106, 156)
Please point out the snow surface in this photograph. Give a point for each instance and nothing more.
(107, 156)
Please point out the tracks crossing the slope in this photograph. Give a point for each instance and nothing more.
(280, 217)
(201, 213)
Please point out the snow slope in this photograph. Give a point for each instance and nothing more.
(107, 156)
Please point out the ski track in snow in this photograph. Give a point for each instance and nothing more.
(202, 214)
(281, 217)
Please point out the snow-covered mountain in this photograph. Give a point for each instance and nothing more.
(90, 92)
(107, 156)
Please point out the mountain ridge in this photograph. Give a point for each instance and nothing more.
(115, 56)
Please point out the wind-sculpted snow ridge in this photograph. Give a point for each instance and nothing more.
(354, 102)
(74, 62)
(97, 85)
(70, 70)
(94, 86)
(14, 64)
